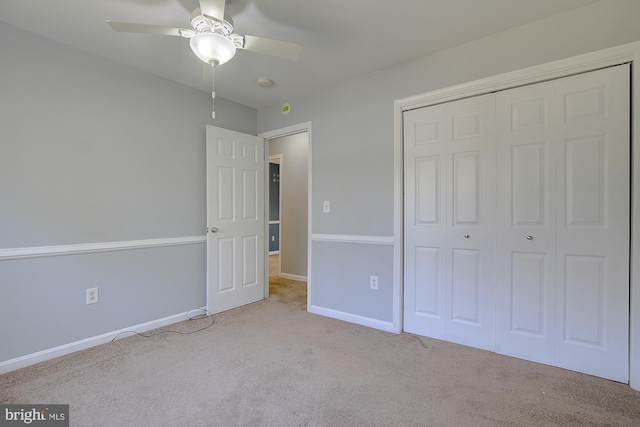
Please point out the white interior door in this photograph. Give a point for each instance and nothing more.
(235, 219)
(449, 221)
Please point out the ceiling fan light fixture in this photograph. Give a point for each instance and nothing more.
(212, 48)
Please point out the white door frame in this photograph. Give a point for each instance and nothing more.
(280, 133)
(628, 53)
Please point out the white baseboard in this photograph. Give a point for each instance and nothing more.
(293, 277)
(274, 253)
(352, 318)
(52, 353)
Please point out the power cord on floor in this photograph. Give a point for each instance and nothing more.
(205, 315)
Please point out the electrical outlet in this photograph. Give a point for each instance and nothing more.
(273, 238)
(92, 295)
(373, 282)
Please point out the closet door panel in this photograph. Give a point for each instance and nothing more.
(529, 192)
(525, 287)
(593, 191)
(529, 272)
(425, 221)
(470, 226)
(465, 286)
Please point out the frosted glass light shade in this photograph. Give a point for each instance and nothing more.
(212, 47)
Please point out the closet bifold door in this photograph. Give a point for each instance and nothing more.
(526, 212)
(449, 237)
(425, 224)
(563, 222)
(593, 193)
(471, 234)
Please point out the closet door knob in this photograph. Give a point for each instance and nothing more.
(466, 236)
(529, 237)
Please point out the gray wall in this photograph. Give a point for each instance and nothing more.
(352, 139)
(92, 151)
(293, 218)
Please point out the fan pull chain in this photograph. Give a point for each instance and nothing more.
(213, 89)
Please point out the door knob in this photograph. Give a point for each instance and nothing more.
(529, 237)
(213, 229)
(466, 236)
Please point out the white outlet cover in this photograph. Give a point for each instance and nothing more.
(92, 295)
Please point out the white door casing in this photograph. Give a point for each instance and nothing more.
(449, 221)
(235, 219)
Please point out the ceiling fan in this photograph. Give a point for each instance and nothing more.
(212, 36)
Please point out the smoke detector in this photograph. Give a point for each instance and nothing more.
(264, 82)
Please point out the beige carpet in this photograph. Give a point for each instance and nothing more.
(274, 265)
(288, 292)
(273, 364)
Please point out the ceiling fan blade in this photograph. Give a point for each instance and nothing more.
(127, 27)
(279, 48)
(213, 8)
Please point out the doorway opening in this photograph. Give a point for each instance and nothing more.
(275, 207)
(288, 152)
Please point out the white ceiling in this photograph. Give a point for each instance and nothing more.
(341, 39)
